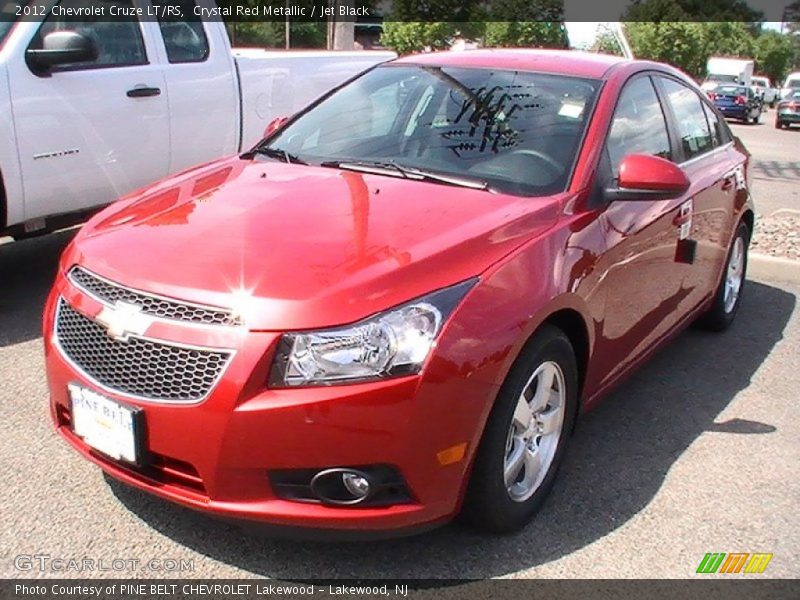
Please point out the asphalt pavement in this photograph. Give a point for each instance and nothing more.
(775, 169)
(698, 452)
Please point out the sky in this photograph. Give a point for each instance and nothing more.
(575, 10)
(583, 33)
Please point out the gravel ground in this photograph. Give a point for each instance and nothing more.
(778, 234)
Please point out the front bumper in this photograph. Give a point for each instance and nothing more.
(216, 455)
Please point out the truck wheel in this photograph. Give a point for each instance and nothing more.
(778, 125)
(526, 435)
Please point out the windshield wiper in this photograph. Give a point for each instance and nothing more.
(394, 169)
(280, 155)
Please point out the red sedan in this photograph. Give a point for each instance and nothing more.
(394, 308)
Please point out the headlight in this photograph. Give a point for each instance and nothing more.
(391, 343)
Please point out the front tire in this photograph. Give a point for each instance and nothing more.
(729, 293)
(525, 436)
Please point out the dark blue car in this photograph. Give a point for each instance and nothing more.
(737, 102)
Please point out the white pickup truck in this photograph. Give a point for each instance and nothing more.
(93, 108)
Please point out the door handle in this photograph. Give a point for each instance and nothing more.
(143, 92)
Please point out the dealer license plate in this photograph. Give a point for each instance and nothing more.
(104, 424)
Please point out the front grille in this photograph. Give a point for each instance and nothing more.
(138, 367)
(151, 304)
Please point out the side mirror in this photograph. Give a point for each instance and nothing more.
(274, 125)
(60, 48)
(646, 177)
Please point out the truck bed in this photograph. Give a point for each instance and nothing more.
(275, 83)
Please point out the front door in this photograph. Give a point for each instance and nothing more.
(90, 132)
(642, 281)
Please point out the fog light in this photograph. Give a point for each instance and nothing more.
(341, 486)
(355, 484)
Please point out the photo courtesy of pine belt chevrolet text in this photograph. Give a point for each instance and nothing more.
(394, 308)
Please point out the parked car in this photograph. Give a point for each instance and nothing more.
(791, 84)
(393, 308)
(102, 108)
(737, 102)
(762, 87)
(728, 70)
(788, 111)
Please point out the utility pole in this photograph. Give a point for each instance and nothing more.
(287, 42)
(341, 30)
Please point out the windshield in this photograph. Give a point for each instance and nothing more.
(8, 16)
(723, 78)
(731, 90)
(517, 132)
(793, 83)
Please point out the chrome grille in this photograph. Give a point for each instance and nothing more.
(151, 304)
(137, 367)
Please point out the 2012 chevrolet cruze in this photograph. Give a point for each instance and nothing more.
(393, 309)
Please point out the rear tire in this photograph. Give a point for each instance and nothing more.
(525, 436)
(728, 296)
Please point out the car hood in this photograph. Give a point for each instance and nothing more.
(295, 247)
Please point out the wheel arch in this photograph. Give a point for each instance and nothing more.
(572, 323)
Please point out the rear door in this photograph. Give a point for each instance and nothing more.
(90, 132)
(703, 155)
(201, 85)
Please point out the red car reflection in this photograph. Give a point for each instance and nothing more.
(393, 309)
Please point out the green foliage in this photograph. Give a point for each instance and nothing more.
(606, 43)
(412, 36)
(434, 10)
(262, 35)
(691, 10)
(530, 34)
(678, 43)
(727, 39)
(774, 54)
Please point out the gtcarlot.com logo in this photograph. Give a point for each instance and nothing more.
(735, 562)
(45, 563)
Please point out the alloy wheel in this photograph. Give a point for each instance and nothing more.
(734, 275)
(535, 430)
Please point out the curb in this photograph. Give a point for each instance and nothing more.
(773, 267)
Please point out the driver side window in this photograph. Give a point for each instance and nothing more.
(638, 125)
(119, 41)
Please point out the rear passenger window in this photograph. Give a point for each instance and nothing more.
(693, 129)
(713, 123)
(119, 41)
(638, 126)
(183, 33)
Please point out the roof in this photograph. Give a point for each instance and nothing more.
(570, 62)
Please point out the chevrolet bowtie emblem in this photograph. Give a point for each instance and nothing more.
(123, 320)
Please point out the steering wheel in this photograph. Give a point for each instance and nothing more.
(556, 168)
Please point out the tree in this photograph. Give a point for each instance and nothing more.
(545, 30)
(727, 39)
(692, 10)
(774, 54)
(415, 36)
(606, 43)
(678, 43)
(414, 25)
